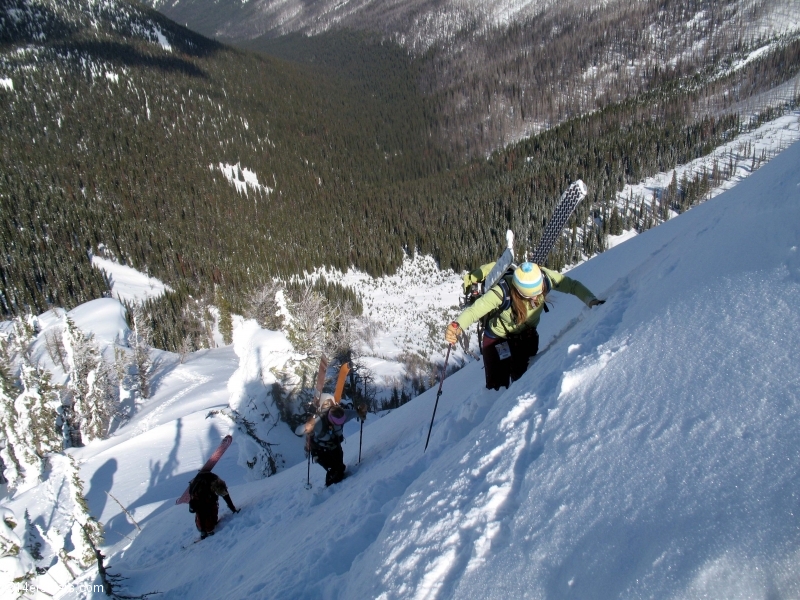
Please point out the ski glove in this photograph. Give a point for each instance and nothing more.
(362, 411)
(596, 302)
(452, 332)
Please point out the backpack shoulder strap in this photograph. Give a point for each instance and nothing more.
(504, 293)
(506, 297)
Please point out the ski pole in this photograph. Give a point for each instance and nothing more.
(308, 476)
(360, 439)
(439, 393)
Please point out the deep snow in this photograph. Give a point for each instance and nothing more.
(650, 451)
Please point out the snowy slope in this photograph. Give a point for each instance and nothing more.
(650, 450)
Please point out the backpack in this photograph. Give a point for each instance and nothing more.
(201, 489)
(474, 288)
(474, 281)
(335, 437)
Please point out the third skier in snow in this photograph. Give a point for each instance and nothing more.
(205, 490)
(324, 436)
(512, 309)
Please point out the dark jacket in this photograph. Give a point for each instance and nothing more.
(328, 435)
(204, 492)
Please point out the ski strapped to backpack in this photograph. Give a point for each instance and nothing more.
(479, 281)
(482, 279)
(567, 204)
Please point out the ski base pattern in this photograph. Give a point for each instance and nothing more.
(566, 205)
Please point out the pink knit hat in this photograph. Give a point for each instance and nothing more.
(336, 415)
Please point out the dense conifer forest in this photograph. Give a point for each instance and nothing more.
(127, 135)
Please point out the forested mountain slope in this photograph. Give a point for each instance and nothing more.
(505, 70)
(203, 164)
(218, 169)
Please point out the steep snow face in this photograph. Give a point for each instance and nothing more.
(649, 451)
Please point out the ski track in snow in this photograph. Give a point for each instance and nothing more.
(193, 381)
(469, 515)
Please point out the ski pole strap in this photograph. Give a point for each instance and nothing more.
(360, 439)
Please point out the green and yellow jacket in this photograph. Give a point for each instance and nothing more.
(502, 324)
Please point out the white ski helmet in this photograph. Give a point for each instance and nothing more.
(326, 400)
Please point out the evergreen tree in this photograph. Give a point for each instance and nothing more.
(11, 452)
(16, 563)
(615, 227)
(27, 415)
(101, 402)
(225, 319)
(82, 526)
(308, 332)
(37, 407)
(140, 342)
(90, 405)
(262, 305)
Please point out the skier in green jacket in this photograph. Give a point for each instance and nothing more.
(513, 308)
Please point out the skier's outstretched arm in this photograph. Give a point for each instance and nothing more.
(229, 502)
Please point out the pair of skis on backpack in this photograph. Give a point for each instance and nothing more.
(475, 287)
(567, 204)
(313, 407)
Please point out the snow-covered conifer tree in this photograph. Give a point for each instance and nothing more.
(16, 564)
(11, 452)
(262, 305)
(36, 407)
(140, 342)
(27, 415)
(86, 528)
(90, 404)
(309, 333)
(75, 523)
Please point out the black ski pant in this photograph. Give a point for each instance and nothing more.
(498, 370)
(207, 513)
(206, 516)
(332, 460)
